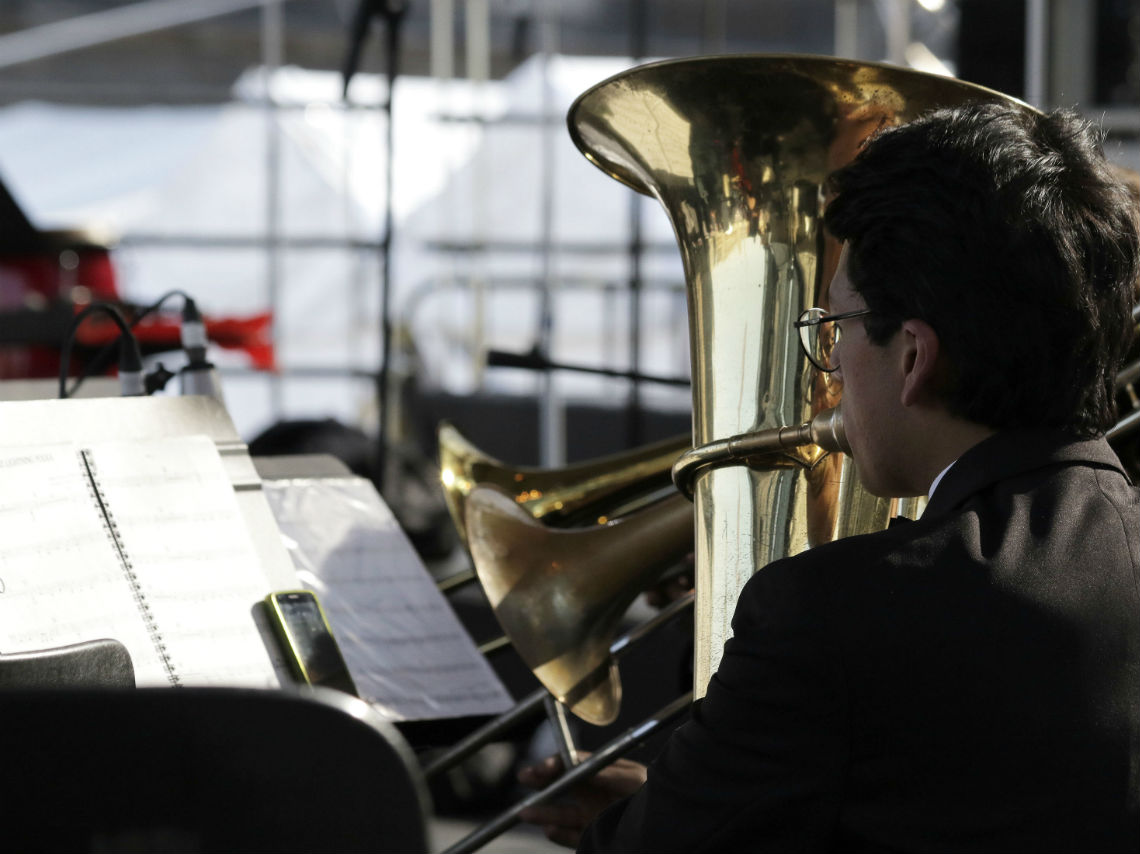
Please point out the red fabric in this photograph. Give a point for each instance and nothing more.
(158, 333)
(33, 281)
(30, 281)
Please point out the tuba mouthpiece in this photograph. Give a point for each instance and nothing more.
(827, 431)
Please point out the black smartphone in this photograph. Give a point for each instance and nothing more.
(308, 640)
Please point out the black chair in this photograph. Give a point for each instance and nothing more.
(103, 663)
(205, 770)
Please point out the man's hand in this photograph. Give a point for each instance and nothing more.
(669, 591)
(673, 587)
(564, 822)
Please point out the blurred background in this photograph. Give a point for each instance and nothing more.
(208, 146)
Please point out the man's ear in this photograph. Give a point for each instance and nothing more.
(919, 361)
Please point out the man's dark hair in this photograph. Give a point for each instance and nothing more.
(1007, 231)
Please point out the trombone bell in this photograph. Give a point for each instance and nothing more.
(560, 595)
(577, 494)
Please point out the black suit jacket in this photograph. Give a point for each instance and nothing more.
(966, 682)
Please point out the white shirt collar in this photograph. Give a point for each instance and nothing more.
(937, 480)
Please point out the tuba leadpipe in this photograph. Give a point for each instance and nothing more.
(760, 449)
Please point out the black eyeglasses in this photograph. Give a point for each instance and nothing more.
(819, 333)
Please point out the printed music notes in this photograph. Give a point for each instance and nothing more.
(139, 541)
(407, 651)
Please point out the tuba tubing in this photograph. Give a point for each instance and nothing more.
(1124, 427)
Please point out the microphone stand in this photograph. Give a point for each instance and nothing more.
(392, 14)
(534, 360)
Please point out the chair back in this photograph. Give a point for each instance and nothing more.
(205, 770)
(102, 663)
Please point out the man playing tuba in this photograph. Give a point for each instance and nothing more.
(969, 681)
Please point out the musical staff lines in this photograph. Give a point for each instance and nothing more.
(139, 541)
(405, 647)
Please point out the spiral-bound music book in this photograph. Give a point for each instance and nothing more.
(140, 541)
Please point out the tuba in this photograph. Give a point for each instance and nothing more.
(737, 150)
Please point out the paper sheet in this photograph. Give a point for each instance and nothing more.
(182, 602)
(405, 648)
(60, 579)
(176, 511)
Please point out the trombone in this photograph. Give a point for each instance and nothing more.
(590, 493)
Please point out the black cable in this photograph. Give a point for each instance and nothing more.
(100, 360)
(130, 359)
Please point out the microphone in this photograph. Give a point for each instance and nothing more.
(132, 383)
(534, 360)
(198, 376)
(192, 334)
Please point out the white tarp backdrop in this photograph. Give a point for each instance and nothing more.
(158, 174)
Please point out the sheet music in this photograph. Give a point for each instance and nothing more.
(60, 579)
(176, 511)
(405, 648)
(180, 595)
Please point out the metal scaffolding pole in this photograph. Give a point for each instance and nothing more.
(847, 29)
(897, 25)
(1036, 51)
(552, 415)
(99, 28)
(638, 44)
(272, 56)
